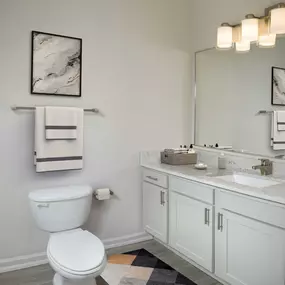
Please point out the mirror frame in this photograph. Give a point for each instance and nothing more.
(194, 98)
(194, 119)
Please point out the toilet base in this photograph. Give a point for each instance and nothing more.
(60, 280)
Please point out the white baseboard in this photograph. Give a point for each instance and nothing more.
(26, 261)
(21, 262)
(126, 240)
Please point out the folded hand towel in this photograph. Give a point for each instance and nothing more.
(53, 155)
(277, 137)
(281, 120)
(60, 123)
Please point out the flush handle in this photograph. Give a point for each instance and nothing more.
(43, 206)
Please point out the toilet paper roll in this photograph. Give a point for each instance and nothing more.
(103, 194)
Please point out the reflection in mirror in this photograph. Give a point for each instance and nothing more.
(231, 89)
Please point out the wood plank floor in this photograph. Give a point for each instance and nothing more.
(43, 275)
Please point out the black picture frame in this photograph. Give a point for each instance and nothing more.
(273, 85)
(33, 92)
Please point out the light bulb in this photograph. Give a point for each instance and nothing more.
(225, 37)
(277, 25)
(243, 46)
(267, 40)
(249, 29)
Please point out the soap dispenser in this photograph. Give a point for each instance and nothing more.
(222, 161)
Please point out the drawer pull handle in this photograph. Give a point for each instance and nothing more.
(207, 216)
(220, 222)
(152, 178)
(162, 198)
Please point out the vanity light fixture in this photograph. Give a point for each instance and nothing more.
(249, 28)
(265, 39)
(277, 16)
(225, 37)
(243, 46)
(261, 30)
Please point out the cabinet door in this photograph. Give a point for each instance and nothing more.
(191, 229)
(248, 252)
(155, 211)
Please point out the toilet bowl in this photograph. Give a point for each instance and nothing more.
(76, 255)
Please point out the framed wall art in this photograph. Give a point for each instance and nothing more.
(278, 86)
(56, 65)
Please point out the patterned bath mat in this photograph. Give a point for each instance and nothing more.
(140, 267)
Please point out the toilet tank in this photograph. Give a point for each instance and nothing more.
(62, 208)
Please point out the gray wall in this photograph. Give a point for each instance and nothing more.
(136, 70)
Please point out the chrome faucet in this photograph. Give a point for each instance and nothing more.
(266, 167)
(281, 156)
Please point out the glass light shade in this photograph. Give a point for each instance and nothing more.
(225, 37)
(277, 25)
(249, 30)
(267, 40)
(243, 46)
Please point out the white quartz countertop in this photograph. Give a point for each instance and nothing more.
(210, 177)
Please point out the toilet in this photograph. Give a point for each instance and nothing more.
(76, 255)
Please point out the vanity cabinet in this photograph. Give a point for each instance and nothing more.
(155, 204)
(236, 238)
(191, 222)
(248, 251)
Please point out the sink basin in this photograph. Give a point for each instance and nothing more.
(249, 180)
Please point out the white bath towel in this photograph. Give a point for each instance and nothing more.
(60, 123)
(277, 137)
(281, 120)
(53, 155)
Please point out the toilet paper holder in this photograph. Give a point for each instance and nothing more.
(94, 193)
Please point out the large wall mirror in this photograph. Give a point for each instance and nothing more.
(231, 89)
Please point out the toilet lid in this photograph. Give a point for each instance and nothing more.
(78, 251)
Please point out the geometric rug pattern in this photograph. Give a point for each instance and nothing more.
(140, 267)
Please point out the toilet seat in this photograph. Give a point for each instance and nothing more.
(77, 253)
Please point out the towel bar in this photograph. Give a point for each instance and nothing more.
(264, 112)
(15, 108)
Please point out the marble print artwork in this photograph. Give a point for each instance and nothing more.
(56, 65)
(278, 86)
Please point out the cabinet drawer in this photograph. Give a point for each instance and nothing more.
(192, 189)
(266, 212)
(155, 177)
